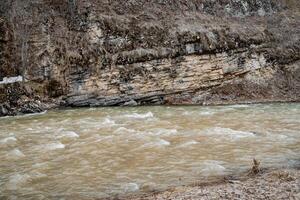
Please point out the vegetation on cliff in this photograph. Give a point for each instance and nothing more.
(102, 53)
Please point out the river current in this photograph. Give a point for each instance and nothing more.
(100, 152)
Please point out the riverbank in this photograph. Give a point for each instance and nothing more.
(28, 106)
(269, 184)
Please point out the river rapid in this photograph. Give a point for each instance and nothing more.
(101, 152)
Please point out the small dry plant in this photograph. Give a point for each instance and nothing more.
(255, 168)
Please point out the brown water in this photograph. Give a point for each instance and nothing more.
(99, 152)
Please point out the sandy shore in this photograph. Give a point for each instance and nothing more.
(270, 184)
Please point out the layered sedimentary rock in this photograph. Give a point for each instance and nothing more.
(105, 53)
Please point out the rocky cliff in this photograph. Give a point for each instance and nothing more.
(140, 52)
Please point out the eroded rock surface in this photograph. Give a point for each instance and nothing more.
(105, 53)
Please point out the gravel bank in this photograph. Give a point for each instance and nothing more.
(278, 184)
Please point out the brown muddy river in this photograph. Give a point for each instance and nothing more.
(100, 152)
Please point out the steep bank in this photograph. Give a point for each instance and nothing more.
(107, 53)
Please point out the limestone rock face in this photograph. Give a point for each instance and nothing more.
(105, 53)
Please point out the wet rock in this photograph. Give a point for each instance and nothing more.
(31, 107)
(130, 103)
(3, 110)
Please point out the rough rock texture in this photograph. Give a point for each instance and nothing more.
(272, 185)
(115, 52)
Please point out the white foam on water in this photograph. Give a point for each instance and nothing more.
(140, 116)
(47, 128)
(186, 113)
(149, 186)
(8, 140)
(280, 136)
(40, 113)
(37, 175)
(30, 114)
(157, 143)
(130, 187)
(188, 143)
(212, 167)
(103, 138)
(228, 133)
(15, 154)
(163, 131)
(40, 165)
(205, 113)
(86, 122)
(290, 121)
(239, 106)
(224, 109)
(53, 146)
(162, 142)
(108, 121)
(68, 134)
(124, 130)
(16, 181)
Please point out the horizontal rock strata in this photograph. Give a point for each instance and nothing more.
(107, 53)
